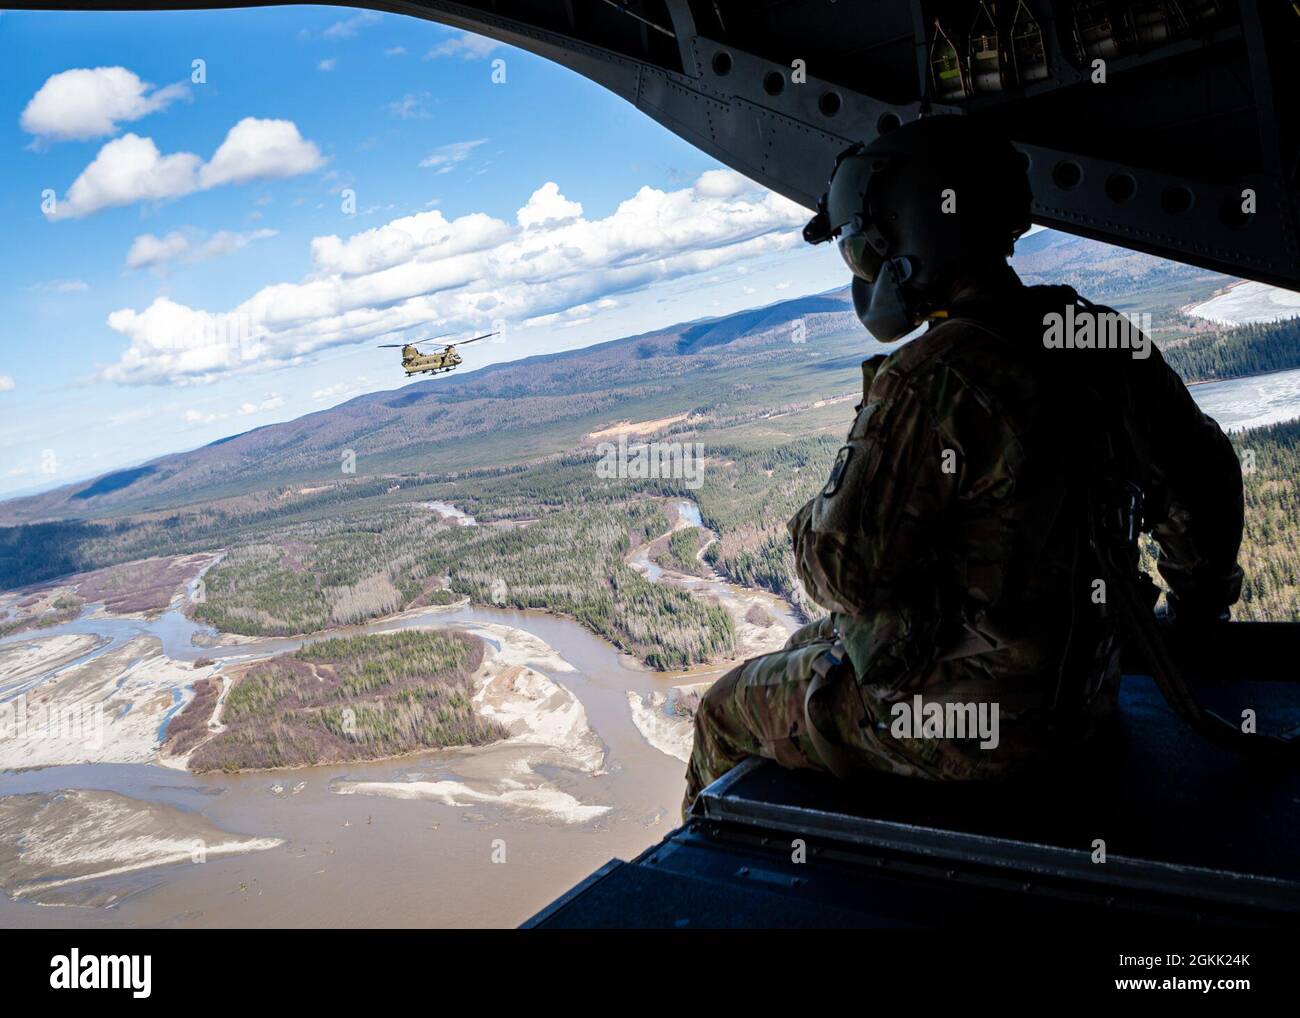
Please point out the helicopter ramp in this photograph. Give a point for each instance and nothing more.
(1191, 833)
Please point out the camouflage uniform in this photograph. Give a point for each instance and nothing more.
(959, 500)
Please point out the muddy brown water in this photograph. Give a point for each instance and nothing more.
(363, 860)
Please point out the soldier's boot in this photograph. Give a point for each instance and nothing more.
(757, 709)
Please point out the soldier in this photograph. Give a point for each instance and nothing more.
(957, 542)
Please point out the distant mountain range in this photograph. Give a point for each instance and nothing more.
(503, 413)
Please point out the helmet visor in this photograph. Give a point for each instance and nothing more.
(862, 259)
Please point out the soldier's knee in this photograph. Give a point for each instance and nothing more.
(822, 629)
(719, 695)
(717, 727)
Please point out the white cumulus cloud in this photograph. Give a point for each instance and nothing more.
(6, 383)
(359, 384)
(547, 205)
(127, 170)
(271, 402)
(260, 150)
(446, 157)
(86, 102)
(60, 286)
(349, 27)
(409, 107)
(150, 251)
(721, 184)
(425, 273)
(130, 169)
(465, 46)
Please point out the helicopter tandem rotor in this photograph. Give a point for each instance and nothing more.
(438, 363)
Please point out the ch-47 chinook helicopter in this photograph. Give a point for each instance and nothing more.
(416, 363)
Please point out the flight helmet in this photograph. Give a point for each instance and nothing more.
(917, 208)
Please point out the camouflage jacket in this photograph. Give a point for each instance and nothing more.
(958, 498)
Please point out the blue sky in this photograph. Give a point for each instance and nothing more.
(188, 260)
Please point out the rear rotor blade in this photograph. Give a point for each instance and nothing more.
(476, 338)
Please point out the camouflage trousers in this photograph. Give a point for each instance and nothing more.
(757, 709)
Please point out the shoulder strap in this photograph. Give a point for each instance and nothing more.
(829, 669)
